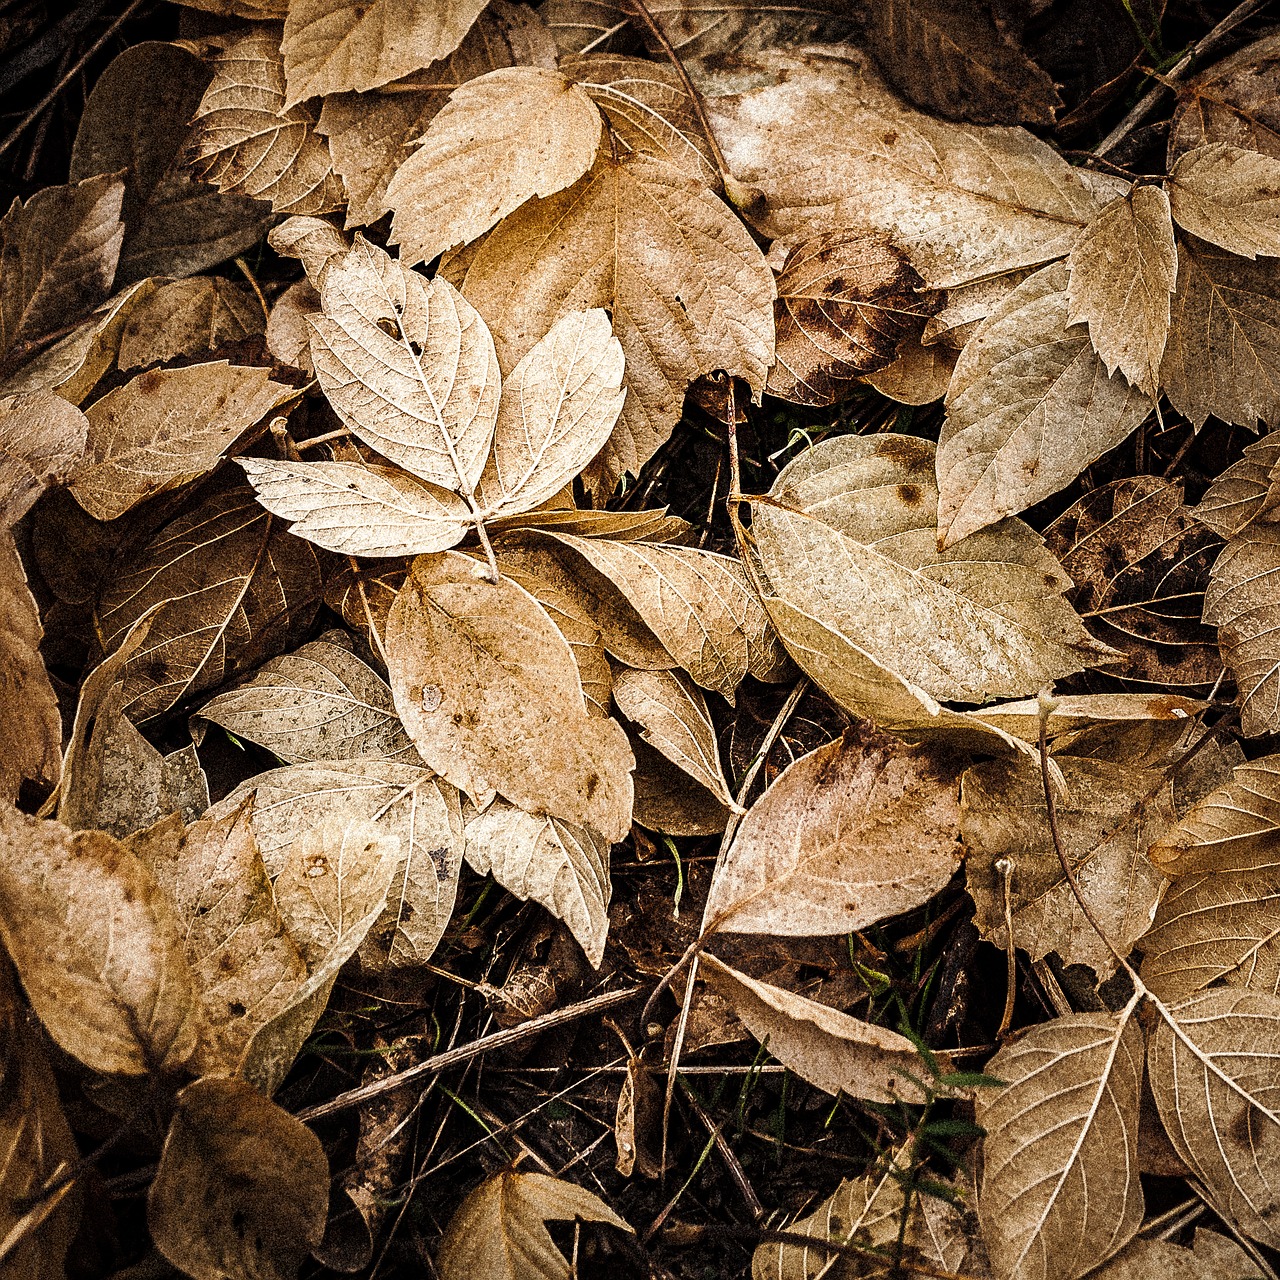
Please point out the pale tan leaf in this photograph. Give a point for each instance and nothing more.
(499, 1231)
(673, 717)
(1218, 1091)
(560, 513)
(1229, 197)
(242, 1190)
(1123, 270)
(1242, 602)
(1060, 1190)
(188, 318)
(563, 866)
(510, 135)
(1030, 405)
(136, 122)
(406, 803)
(857, 831)
(829, 1049)
(849, 539)
(331, 46)
(558, 408)
(288, 333)
(1243, 492)
(408, 365)
(232, 588)
(165, 427)
(1125, 786)
(489, 691)
(42, 438)
(363, 595)
(357, 509)
(1223, 356)
(919, 374)
(315, 242)
(1080, 711)
(96, 946)
(697, 603)
(967, 304)
(832, 148)
(688, 290)
(247, 968)
(1147, 1256)
(318, 703)
(845, 301)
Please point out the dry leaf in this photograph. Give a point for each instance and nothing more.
(242, 1189)
(408, 365)
(1233, 101)
(673, 717)
(1215, 1083)
(331, 46)
(1072, 712)
(845, 301)
(1123, 270)
(1213, 1258)
(233, 587)
(248, 142)
(688, 290)
(831, 149)
(188, 318)
(562, 866)
(42, 438)
(848, 538)
(857, 831)
(1223, 356)
(668, 799)
(288, 333)
(1030, 405)
(1060, 1190)
(315, 242)
(1243, 492)
(135, 122)
(510, 135)
(558, 408)
(357, 509)
(96, 946)
(832, 1051)
(488, 690)
(499, 1231)
(165, 427)
(1229, 197)
(363, 595)
(919, 374)
(318, 703)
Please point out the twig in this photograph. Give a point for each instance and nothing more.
(464, 1053)
(732, 1162)
(1005, 867)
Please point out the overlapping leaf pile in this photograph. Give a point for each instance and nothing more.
(363, 523)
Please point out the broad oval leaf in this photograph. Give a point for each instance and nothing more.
(1229, 197)
(42, 438)
(187, 318)
(1244, 492)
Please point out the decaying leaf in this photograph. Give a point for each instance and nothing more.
(96, 946)
(42, 438)
(562, 866)
(1060, 1190)
(1229, 197)
(488, 689)
(242, 1189)
(919, 374)
(288, 333)
(795, 868)
(499, 1231)
(1243, 492)
(188, 318)
(1232, 101)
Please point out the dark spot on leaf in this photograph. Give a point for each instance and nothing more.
(910, 495)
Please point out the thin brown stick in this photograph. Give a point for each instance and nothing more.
(732, 1163)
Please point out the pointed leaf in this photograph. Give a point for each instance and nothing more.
(1229, 197)
(1243, 492)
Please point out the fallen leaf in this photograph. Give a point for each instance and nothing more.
(242, 1189)
(165, 427)
(188, 318)
(857, 831)
(1030, 405)
(499, 1231)
(512, 134)
(1150, 1256)
(1123, 270)
(1060, 1191)
(488, 689)
(1214, 1080)
(1071, 712)
(363, 595)
(288, 333)
(669, 800)
(845, 301)
(96, 946)
(42, 438)
(562, 866)
(1228, 197)
(1232, 101)
(919, 374)
(1243, 492)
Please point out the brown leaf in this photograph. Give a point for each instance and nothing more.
(165, 427)
(1060, 1190)
(1030, 405)
(1214, 1258)
(188, 318)
(489, 691)
(95, 943)
(1229, 197)
(499, 1231)
(242, 1189)
(135, 121)
(1234, 101)
(1071, 712)
(510, 135)
(288, 333)
(688, 290)
(857, 831)
(247, 141)
(232, 587)
(1123, 270)
(42, 438)
(845, 301)
(832, 1051)
(1223, 356)
(1243, 492)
